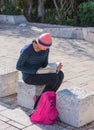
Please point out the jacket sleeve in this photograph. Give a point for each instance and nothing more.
(21, 64)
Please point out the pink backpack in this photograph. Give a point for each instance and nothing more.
(45, 112)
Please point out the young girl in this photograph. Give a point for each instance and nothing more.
(35, 56)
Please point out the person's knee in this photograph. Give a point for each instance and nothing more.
(61, 75)
(54, 78)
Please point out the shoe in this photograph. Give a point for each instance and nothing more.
(35, 98)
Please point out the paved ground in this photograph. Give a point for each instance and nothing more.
(78, 66)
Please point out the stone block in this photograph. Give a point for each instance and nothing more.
(16, 19)
(12, 19)
(8, 83)
(26, 93)
(75, 106)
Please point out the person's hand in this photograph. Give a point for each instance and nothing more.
(59, 67)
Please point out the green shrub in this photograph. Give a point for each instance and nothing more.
(86, 14)
(10, 9)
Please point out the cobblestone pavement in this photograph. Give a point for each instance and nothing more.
(78, 66)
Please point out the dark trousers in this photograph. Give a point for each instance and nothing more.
(52, 81)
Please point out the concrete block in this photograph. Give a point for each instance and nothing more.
(16, 19)
(75, 106)
(8, 83)
(26, 93)
(12, 19)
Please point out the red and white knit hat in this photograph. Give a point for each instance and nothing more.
(45, 40)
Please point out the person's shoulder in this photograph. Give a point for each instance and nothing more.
(47, 50)
(27, 49)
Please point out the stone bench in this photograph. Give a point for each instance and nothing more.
(75, 106)
(26, 93)
(8, 83)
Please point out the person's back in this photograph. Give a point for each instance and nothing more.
(30, 61)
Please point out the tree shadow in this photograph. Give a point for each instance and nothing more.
(76, 48)
(20, 30)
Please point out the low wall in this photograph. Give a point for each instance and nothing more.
(73, 33)
(68, 32)
(60, 31)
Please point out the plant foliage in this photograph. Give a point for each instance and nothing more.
(10, 9)
(86, 13)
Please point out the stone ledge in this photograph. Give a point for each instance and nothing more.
(68, 32)
(75, 106)
(72, 33)
(26, 93)
(12, 19)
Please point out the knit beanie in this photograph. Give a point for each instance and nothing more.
(45, 40)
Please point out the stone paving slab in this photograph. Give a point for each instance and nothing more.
(17, 115)
(13, 123)
(78, 66)
(41, 127)
(12, 128)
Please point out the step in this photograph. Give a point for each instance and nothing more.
(75, 106)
